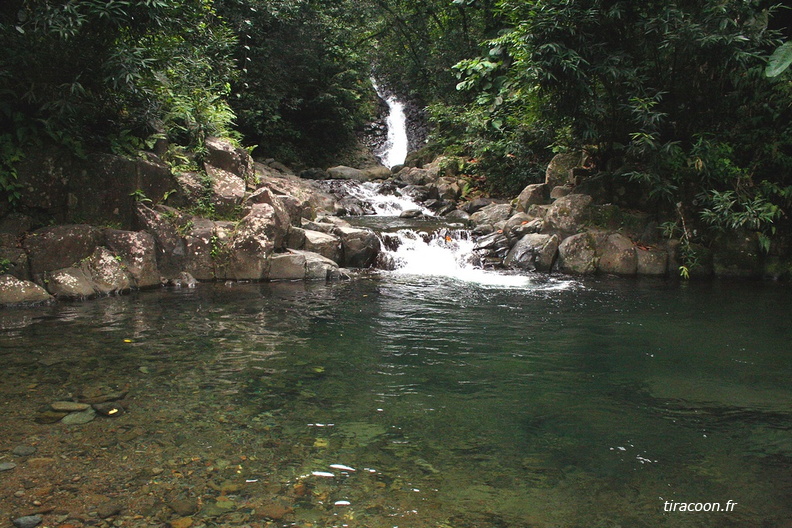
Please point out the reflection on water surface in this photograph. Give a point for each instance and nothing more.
(410, 402)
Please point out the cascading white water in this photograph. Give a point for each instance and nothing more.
(446, 254)
(391, 204)
(396, 144)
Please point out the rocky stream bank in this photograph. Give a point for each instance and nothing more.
(132, 224)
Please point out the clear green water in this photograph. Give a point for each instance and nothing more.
(589, 405)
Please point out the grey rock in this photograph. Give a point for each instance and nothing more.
(559, 170)
(560, 191)
(617, 255)
(257, 237)
(533, 252)
(342, 172)
(138, 253)
(325, 244)
(23, 451)
(360, 247)
(651, 261)
(492, 214)
(458, 215)
(62, 246)
(532, 195)
(109, 509)
(14, 291)
(79, 418)
(183, 507)
(577, 254)
(68, 406)
(7, 466)
(567, 215)
(28, 521)
(70, 283)
(227, 189)
(411, 213)
(224, 155)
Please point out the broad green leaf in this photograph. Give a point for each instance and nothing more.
(779, 60)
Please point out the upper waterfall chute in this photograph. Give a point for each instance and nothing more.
(396, 144)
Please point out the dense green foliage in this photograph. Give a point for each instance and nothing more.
(689, 99)
(669, 94)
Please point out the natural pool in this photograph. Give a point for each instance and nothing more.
(585, 403)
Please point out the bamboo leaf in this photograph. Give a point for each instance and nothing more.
(779, 60)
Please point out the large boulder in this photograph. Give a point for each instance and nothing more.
(617, 255)
(342, 172)
(651, 261)
(559, 170)
(106, 272)
(14, 260)
(415, 176)
(360, 247)
(325, 244)
(491, 214)
(70, 283)
(171, 249)
(302, 265)
(227, 190)
(577, 254)
(257, 237)
(533, 252)
(310, 199)
(222, 154)
(536, 193)
(57, 247)
(288, 208)
(201, 248)
(14, 291)
(567, 215)
(138, 252)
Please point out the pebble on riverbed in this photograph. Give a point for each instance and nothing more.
(7, 466)
(79, 418)
(23, 451)
(68, 406)
(28, 521)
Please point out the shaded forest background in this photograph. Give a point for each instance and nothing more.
(673, 97)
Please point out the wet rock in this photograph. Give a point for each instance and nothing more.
(79, 418)
(617, 255)
(533, 252)
(560, 191)
(559, 170)
(492, 214)
(274, 511)
(257, 237)
(476, 205)
(14, 258)
(28, 521)
(302, 265)
(651, 261)
(536, 193)
(57, 247)
(7, 466)
(170, 246)
(737, 255)
(138, 254)
(567, 215)
(14, 291)
(411, 213)
(107, 274)
(314, 174)
(342, 172)
(416, 176)
(184, 507)
(112, 410)
(327, 245)
(69, 283)
(183, 280)
(493, 242)
(48, 417)
(109, 509)
(360, 247)
(68, 406)
(578, 254)
(457, 214)
(183, 522)
(23, 451)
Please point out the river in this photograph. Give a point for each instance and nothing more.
(398, 399)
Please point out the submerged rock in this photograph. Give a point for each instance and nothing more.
(79, 418)
(14, 291)
(28, 521)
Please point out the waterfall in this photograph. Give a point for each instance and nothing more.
(396, 145)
